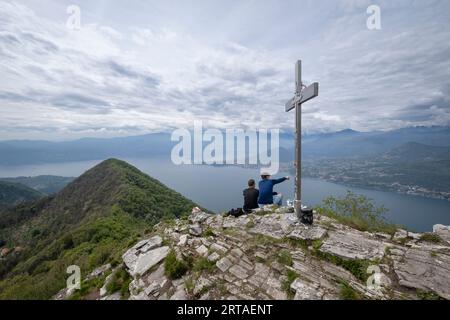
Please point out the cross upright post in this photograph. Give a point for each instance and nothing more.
(298, 139)
(302, 95)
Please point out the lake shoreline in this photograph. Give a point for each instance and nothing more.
(219, 189)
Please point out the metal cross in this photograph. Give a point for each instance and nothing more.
(302, 95)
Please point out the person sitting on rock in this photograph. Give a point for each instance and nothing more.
(251, 195)
(266, 193)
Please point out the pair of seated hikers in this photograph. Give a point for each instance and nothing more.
(254, 198)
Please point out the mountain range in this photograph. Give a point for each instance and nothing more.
(88, 223)
(343, 144)
(350, 143)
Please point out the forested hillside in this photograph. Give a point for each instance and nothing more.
(88, 223)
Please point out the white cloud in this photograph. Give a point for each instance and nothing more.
(130, 72)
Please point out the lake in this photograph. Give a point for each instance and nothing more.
(220, 189)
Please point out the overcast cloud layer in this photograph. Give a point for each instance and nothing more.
(148, 66)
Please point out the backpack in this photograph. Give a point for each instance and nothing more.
(307, 216)
(236, 212)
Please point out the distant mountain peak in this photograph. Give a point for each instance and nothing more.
(348, 131)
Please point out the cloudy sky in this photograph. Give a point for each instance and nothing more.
(140, 66)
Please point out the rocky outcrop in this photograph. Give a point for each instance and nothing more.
(270, 255)
(100, 271)
(303, 232)
(425, 267)
(442, 231)
(145, 255)
(348, 243)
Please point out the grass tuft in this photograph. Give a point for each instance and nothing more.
(355, 266)
(174, 268)
(430, 237)
(286, 285)
(346, 292)
(427, 295)
(203, 264)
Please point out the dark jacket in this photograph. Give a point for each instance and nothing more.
(250, 199)
(266, 190)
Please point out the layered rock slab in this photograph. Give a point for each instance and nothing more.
(352, 244)
(423, 267)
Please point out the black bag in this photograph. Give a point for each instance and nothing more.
(236, 212)
(307, 216)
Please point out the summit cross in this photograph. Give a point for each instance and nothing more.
(302, 95)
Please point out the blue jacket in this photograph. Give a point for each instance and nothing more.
(266, 190)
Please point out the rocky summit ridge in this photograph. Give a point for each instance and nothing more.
(270, 255)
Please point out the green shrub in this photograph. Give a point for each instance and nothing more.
(358, 212)
(316, 244)
(285, 257)
(430, 237)
(174, 268)
(250, 224)
(120, 282)
(208, 233)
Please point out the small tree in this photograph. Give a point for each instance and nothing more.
(357, 211)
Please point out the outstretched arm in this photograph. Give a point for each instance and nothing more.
(277, 181)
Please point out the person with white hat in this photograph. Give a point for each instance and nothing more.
(266, 193)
